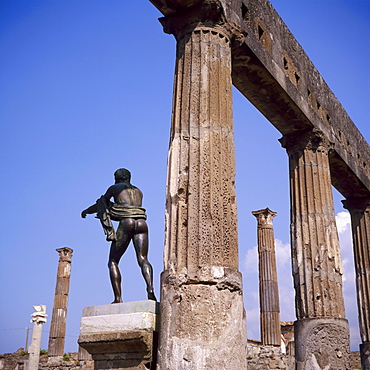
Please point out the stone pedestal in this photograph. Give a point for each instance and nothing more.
(122, 335)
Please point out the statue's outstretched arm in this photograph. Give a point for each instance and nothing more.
(89, 211)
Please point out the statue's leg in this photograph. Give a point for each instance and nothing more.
(125, 232)
(141, 245)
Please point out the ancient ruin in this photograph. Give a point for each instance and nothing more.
(269, 291)
(59, 317)
(360, 220)
(246, 43)
(38, 319)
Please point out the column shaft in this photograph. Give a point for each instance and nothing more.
(360, 222)
(316, 260)
(201, 208)
(59, 316)
(202, 314)
(34, 350)
(269, 292)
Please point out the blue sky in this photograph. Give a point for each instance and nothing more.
(86, 88)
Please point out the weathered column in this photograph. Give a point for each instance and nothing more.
(38, 318)
(321, 330)
(268, 283)
(360, 222)
(59, 317)
(202, 313)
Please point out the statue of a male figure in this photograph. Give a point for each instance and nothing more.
(128, 211)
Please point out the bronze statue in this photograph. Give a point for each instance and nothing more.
(127, 209)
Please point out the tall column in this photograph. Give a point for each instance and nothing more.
(59, 317)
(268, 284)
(321, 330)
(360, 222)
(38, 318)
(202, 313)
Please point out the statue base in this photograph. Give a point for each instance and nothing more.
(121, 335)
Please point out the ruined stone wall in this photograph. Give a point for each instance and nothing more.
(267, 357)
(19, 361)
(258, 358)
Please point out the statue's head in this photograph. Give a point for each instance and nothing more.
(122, 175)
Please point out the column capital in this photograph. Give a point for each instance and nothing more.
(313, 140)
(39, 315)
(65, 254)
(358, 205)
(197, 15)
(264, 216)
(208, 13)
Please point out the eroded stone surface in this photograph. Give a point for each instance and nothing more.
(202, 323)
(322, 344)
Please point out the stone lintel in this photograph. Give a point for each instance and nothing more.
(272, 70)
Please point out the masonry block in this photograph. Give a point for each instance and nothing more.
(121, 335)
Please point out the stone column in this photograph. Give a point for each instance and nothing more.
(321, 330)
(202, 313)
(38, 318)
(59, 317)
(268, 283)
(360, 222)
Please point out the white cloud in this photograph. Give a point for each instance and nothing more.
(253, 323)
(251, 261)
(343, 220)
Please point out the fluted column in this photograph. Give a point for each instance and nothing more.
(59, 317)
(268, 283)
(202, 314)
(360, 222)
(321, 331)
